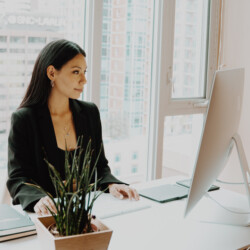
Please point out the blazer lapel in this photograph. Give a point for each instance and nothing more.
(48, 137)
(80, 119)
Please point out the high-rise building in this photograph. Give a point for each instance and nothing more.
(126, 63)
(25, 27)
(125, 83)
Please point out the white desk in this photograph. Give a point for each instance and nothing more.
(162, 227)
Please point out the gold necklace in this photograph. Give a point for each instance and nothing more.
(67, 130)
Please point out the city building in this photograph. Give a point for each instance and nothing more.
(25, 27)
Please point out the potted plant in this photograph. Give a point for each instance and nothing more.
(73, 226)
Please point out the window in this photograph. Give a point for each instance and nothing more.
(139, 53)
(134, 156)
(131, 113)
(134, 169)
(17, 50)
(192, 36)
(190, 84)
(3, 39)
(142, 82)
(105, 12)
(118, 157)
(117, 172)
(17, 39)
(104, 52)
(37, 39)
(128, 109)
(181, 140)
(104, 39)
(24, 41)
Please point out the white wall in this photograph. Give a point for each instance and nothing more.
(235, 52)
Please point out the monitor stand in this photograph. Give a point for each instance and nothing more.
(210, 208)
(243, 164)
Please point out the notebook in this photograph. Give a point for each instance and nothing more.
(164, 193)
(14, 224)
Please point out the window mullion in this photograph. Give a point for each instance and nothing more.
(93, 43)
(214, 38)
(161, 77)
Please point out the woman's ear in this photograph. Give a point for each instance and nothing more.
(51, 72)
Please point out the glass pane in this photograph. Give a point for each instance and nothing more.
(181, 141)
(125, 83)
(26, 26)
(190, 46)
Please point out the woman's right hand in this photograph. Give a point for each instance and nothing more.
(41, 209)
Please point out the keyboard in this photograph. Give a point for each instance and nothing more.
(187, 183)
(107, 206)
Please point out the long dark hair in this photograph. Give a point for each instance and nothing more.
(56, 53)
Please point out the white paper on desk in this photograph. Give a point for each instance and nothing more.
(107, 206)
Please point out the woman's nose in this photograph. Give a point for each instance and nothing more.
(83, 78)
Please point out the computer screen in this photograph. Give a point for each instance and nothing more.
(222, 122)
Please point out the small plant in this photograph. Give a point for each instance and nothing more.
(74, 201)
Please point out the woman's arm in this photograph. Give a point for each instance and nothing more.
(20, 163)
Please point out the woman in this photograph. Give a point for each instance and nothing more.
(49, 118)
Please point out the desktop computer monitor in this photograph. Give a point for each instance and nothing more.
(222, 122)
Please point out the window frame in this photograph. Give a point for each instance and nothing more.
(93, 47)
(161, 103)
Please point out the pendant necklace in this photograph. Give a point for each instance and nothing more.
(66, 131)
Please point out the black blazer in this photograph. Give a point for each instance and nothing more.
(31, 131)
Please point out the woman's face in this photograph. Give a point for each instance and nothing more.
(70, 79)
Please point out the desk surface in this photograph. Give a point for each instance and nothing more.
(162, 227)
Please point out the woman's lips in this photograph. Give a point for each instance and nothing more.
(79, 90)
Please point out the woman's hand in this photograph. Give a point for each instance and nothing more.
(41, 209)
(121, 191)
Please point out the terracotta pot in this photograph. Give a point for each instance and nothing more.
(89, 241)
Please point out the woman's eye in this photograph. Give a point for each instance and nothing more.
(76, 72)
